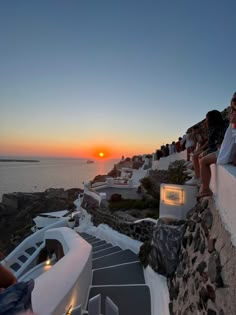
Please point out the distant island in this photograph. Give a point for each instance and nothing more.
(14, 160)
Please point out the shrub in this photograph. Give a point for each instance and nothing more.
(147, 183)
(126, 204)
(150, 186)
(116, 198)
(175, 173)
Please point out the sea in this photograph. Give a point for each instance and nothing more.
(50, 173)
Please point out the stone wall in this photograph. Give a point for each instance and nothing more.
(141, 231)
(205, 279)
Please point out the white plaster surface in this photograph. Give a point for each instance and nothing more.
(223, 185)
(68, 281)
(164, 162)
(28, 242)
(159, 292)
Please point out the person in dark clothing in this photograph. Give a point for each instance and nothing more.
(178, 145)
(166, 150)
(216, 130)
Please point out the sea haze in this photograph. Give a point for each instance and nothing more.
(47, 173)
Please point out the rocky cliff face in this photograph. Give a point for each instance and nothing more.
(205, 279)
(199, 261)
(18, 209)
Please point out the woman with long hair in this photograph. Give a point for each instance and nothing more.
(215, 129)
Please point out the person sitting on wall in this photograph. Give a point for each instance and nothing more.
(211, 158)
(178, 145)
(159, 154)
(166, 150)
(227, 152)
(216, 130)
(201, 142)
(172, 148)
(163, 150)
(183, 142)
(189, 143)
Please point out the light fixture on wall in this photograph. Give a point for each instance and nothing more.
(68, 312)
(172, 196)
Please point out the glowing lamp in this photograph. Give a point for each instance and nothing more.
(68, 312)
(176, 200)
(48, 262)
(172, 195)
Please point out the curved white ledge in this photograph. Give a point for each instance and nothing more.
(67, 282)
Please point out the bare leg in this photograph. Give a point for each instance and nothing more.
(188, 154)
(196, 165)
(205, 171)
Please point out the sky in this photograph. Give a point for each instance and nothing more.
(119, 77)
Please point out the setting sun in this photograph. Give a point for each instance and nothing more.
(101, 151)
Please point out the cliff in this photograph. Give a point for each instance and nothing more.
(18, 209)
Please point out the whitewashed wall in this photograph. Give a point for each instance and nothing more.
(164, 162)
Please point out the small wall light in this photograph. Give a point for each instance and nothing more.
(68, 312)
(172, 195)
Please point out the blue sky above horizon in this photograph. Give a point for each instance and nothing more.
(123, 77)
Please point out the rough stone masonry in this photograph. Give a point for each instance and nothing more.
(205, 279)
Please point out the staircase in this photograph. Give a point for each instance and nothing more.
(118, 274)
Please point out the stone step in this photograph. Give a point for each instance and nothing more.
(101, 247)
(92, 239)
(121, 257)
(98, 243)
(85, 235)
(131, 300)
(106, 251)
(124, 274)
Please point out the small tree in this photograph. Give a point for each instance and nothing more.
(176, 172)
(149, 185)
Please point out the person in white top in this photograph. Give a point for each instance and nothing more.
(227, 152)
(189, 143)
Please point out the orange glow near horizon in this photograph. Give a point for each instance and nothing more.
(65, 148)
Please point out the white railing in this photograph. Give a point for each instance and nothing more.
(30, 241)
(67, 283)
(88, 190)
(99, 184)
